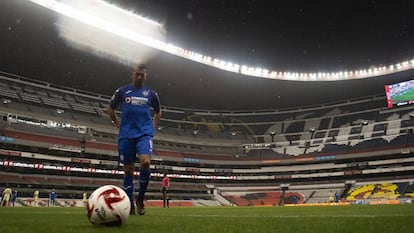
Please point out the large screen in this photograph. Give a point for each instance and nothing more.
(400, 94)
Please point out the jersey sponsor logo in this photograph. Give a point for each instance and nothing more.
(136, 100)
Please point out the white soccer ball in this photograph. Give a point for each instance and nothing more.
(108, 205)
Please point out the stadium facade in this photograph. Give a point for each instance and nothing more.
(59, 137)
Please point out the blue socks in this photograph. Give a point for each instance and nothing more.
(144, 177)
(129, 188)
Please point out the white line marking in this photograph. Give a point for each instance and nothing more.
(291, 216)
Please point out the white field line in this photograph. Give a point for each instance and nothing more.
(291, 216)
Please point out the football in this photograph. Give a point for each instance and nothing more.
(108, 205)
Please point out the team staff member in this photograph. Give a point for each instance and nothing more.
(136, 131)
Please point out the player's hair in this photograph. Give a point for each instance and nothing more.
(141, 67)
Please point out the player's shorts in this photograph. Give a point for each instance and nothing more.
(129, 148)
(164, 190)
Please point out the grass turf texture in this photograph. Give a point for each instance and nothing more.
(355, 219)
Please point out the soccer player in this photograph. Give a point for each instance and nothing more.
(331, 197)
(164, 190)
(35, 197)
(14, 197)
(337, 198)
(85, 198)
(136, 131)
(295, 199)
(52, 197)
(7, 194)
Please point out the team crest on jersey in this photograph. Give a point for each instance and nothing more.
(145, 93)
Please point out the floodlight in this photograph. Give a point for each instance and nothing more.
(103, 21)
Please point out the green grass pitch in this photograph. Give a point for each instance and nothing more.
(406, 96)
(355, 219)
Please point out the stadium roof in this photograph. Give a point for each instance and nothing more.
(300, 36)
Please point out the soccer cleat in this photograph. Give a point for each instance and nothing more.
(140, 205)
(132, 211)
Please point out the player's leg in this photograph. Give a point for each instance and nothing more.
(7, 201)
(164, 201)
(144, 150)
(144, 177)
(129, 184)
(167, 198)
(127, 155)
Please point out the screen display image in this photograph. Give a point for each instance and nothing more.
(400, 94)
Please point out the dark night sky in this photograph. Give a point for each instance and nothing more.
(304, 36)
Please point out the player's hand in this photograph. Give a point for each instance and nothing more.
(116, 123)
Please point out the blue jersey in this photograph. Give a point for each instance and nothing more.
(14, 197)
(52, 195)
(136, 107)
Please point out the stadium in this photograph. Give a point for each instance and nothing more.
(247, 149)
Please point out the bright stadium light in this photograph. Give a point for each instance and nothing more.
(134, 30)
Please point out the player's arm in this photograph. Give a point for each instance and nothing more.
(157, 109)
(157, 118)
(115, 100)
(112, 115)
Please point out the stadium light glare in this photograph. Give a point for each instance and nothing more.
(117, 28)
(405, 63)
(398, 65)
